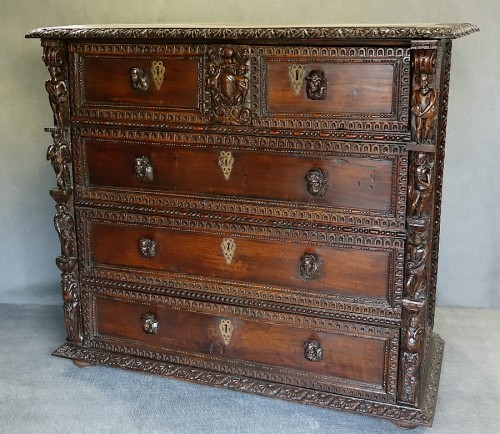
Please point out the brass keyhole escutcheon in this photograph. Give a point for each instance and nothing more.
(228, 247)
(158, 73)
(226, 330)
(225, 162)
(296, 75)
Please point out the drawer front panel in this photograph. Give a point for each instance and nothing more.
(108, 81)
(314, 267)
(356, 88)
(359, 358)
(130, 83)
(353, 88)
(357, 183)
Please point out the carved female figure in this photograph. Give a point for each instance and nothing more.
(64, 224)
(59, 155)
(419, 185)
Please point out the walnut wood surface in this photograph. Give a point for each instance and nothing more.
(352, 182)
(345, 271)
(351, 88)
(107, 81)
(350, 357)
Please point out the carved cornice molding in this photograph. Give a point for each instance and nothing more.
(423, 31)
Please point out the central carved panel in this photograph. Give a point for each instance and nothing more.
(227, 83)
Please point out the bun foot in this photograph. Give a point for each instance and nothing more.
(82, 364)
(404, 424)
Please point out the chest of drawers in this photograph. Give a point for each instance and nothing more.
(254, 208)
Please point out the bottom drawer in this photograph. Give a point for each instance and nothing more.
(322, 354)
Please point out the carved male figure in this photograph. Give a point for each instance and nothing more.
(143, 169)
(423, 107)
(309, 267)
(58, 94)
(313, 351)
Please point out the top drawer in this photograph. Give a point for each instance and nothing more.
(354, 88)
(271, 88)
(128, 83)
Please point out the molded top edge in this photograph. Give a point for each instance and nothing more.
(280, 32)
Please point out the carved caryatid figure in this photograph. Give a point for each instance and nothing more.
(64, 224)
(56, 86)
(412, 345)
(423, 107)
(58, 94)
(419, 185)
(417, 253)
(59, 154)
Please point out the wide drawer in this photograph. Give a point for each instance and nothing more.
(352, 182)
(333, 178)
(318, 265)
(243, 87)
(336, 356)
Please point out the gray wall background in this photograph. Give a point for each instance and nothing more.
(469, 271)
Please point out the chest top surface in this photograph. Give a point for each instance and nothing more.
(275, 33)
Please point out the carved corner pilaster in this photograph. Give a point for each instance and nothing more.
(419, 223)
(60, 156)
(227, 84)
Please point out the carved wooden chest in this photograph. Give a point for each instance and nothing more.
(254, 208)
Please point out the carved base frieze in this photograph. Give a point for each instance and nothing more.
(396, 412)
